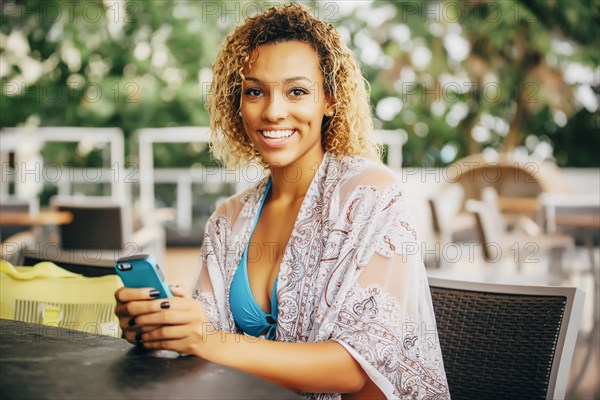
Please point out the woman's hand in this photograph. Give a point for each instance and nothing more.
(131, 303)
(178, 323)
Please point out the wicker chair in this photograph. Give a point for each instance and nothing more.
(505, 341)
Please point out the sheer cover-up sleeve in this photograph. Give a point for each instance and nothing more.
(204, 291)
(376, 301)
(217, 249)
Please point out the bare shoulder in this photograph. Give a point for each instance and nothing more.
(373, 174)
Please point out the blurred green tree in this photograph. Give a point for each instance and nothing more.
(94, 63)
(454, 77)
(485, 74)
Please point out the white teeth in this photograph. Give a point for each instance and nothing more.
(277, 134)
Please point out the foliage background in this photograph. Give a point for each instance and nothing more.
(453, 77)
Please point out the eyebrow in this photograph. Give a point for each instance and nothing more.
(286, 81)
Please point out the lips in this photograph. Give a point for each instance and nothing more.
(277, 134)
(276, 138)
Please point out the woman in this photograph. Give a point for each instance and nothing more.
(309, 279)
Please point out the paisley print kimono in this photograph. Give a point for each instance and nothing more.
(351, 273)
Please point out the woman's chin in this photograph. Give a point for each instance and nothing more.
(282, 158)
(278, 160)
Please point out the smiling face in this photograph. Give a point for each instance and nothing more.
(283, 104)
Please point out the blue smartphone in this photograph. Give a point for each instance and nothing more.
(141, 271)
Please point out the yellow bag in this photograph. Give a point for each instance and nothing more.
(50, 295)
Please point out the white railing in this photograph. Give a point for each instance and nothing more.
(184, 178)
(146, 138)
(30, 171)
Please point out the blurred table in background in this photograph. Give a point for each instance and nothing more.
(523, 205)
(32, 219)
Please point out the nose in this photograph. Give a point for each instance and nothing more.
(276, 108)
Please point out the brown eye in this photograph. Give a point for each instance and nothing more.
(253, 92)
(298, 92)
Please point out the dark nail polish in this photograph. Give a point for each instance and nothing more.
(165, 304)
(132, 321)
(154, 293)
(138, 337)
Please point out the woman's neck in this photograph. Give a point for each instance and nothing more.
(290, 183)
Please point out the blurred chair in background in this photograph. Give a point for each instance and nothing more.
(15, 238)
(518, 180)
(523, 242)
(13, 249)
(14, 205)
(449, 222)
(508, 222)
(100, 233)
(506, 341)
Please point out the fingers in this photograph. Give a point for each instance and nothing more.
(133, 324)
(158, 319)
(175, 317)
(146, 316)
(132, 303)
(165, 333)
(132, 332)
(133, 336)
(129, 336)
(137, 308)
(185, 339)
(124, 295)
(172, 333)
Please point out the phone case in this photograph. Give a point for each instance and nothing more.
(141, 271)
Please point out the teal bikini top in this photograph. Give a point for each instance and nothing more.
(247, 314)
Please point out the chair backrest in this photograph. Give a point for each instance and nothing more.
(488, 227)
(510, 173)
(435, 216)
(444, 205)
(8, 205)
(15, 205)
(98, 223)
(506, 341)
(489, 196)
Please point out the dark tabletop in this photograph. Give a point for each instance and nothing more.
(44, 362)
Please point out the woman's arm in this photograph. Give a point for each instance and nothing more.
(303, 367)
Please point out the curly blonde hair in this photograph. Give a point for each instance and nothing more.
(348, 132)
